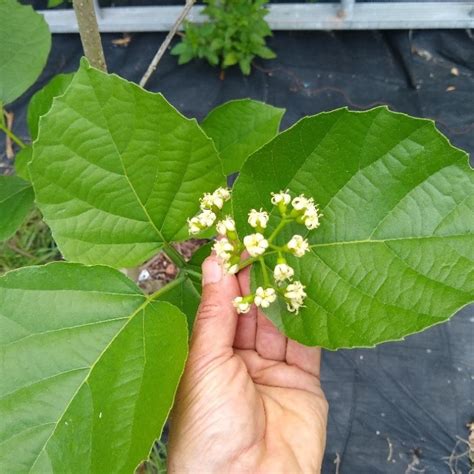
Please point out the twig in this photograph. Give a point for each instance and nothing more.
(6, 127)
(390, 450)
(89, 31)
(154, 63)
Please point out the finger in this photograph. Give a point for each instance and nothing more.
(246, 323)
(304, 357)
(269, 341)
(216, 320)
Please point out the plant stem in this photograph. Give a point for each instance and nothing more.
(278, 229)
(174, 255)
(89, 31)
(266, 279)
(9, 133)
(193, 273)
(161, 51)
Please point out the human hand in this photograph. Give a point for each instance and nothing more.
(250, 399)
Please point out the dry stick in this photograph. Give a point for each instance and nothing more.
(166, 42)
(89, 31)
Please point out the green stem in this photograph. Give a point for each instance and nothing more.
(10, 134)
(193, 273)
(174, 255)
(278, 229)
(266, 279)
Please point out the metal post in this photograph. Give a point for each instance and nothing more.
(347, 7)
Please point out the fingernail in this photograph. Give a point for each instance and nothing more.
(211, 271)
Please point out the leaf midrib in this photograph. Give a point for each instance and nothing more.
(145, 210)
(391, 239)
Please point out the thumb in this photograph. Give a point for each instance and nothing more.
(216, 320)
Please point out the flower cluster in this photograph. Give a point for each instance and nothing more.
(236, 254)
(210, 205)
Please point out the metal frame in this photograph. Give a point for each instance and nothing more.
(346, 15)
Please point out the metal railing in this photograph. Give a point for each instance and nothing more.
(346, 15)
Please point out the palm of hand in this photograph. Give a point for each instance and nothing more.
(250, 400)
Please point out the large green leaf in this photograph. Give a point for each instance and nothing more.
(394, 253)
(89, 369)
(25, 42)
(16, 200)
(117, 170)
(41, 102)
(241, 127)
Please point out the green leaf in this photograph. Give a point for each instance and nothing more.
(22, 158)
(89, 369)
(265, 53)
(185, 294)
(117, 170)
(16, 200)
(41, 102)
(394, 253)
(241, 127)
(25, 43)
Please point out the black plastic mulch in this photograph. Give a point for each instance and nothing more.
(401, 407)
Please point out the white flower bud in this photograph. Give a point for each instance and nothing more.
(281, 197)
(231, 269)
(295, 296)
(311, 217)
(301, 202)
(258, 218)
(256, 244)
(194, 226)
(264, 297)
(298, 246)
(206, 218)
(222, 193)
(225, 225)
(223, 249)
(283, 272)
(215, 200)
(240, 305)
(207, 201)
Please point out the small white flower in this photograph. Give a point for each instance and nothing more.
(230, 268)
(207, 201)
(295, 296)
(311, 217)
(283, 272)
(240, 305)
(258, 218)
(281, 197)
(301, 202)
(215, 200)
(222, 193)
(225, 225)
(298, 246)
(194, 226)
(264, 297)
(206, 218)
(256, 244)
(223, 249)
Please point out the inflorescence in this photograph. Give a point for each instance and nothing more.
(230, 249)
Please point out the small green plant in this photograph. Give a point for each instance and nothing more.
(234, 35)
